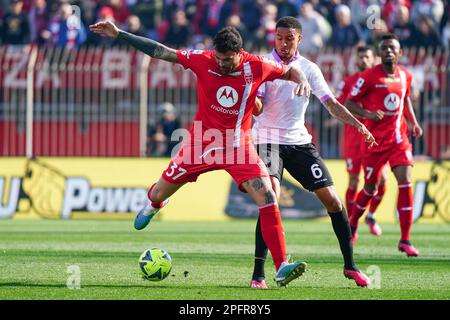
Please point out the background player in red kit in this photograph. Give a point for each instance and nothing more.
(365, 59)
(383, 92)
(227, 82)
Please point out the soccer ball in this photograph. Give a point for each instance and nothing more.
(155, 264)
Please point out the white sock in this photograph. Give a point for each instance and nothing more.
(282, 265)
(370, 215)
(148, 208)
(151, 210)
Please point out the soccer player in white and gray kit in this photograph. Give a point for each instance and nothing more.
(283, 142)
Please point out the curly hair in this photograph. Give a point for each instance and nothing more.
(290, 23)
(389, 36)
(228, 39)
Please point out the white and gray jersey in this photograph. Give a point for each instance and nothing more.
(283, 118)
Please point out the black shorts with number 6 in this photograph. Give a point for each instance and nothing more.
(303, 162)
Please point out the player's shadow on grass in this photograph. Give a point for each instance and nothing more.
(60, 285)
(372, 258)
(126, 286)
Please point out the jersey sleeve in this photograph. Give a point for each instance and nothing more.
(261, 90)
(191, 59)
(318, 84)
(359, 89)
(271, 70)
(408, 84)
(408, 87)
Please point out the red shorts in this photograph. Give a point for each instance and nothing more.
(373, 162)
(242, 163)
(353, 159)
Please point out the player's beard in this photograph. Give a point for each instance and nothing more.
(362, 67)
(227, 70)
(389, 63)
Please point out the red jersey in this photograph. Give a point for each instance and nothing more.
(352, 138)
(375, 90)
(226, 101)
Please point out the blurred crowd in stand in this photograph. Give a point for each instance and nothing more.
(192, 23)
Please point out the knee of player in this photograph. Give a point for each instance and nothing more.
(334, 204)
(404, 178)
(156, 195)
(402, 174)
(353, 182)
(266, 196)
(370, 188)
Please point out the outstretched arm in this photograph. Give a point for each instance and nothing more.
(341, 113)
(148, 46)
(355, 108)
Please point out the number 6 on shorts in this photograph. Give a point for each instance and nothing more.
(315, 169)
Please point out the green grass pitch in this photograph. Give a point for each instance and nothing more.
(211, 260)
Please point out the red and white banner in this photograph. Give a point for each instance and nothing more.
(111, 68)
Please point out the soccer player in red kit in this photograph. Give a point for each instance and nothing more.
(227, 82)
(381, 95)
(353, 144)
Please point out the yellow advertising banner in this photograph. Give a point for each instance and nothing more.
(99, 188)
(116, 188)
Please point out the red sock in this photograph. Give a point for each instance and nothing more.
(272, 232)
(154, 204)
(376, 200)
(359, 206)
(405, 208)
(350, 196)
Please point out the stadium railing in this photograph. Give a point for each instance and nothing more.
(102, 102)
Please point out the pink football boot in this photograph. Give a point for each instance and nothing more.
(408, 249)
(373, 226)
(258, 284)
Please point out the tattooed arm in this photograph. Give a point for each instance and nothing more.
(148, 46)
(341, 113)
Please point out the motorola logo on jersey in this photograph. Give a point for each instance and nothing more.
(392, 102)
(227, 96)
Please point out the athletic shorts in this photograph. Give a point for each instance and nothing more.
(373, 162)
(303, 162)
(191, 161)
(353, 159)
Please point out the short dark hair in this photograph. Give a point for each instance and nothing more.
(289, 22)
(389, 36)
(228, 39)
(364, 48)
